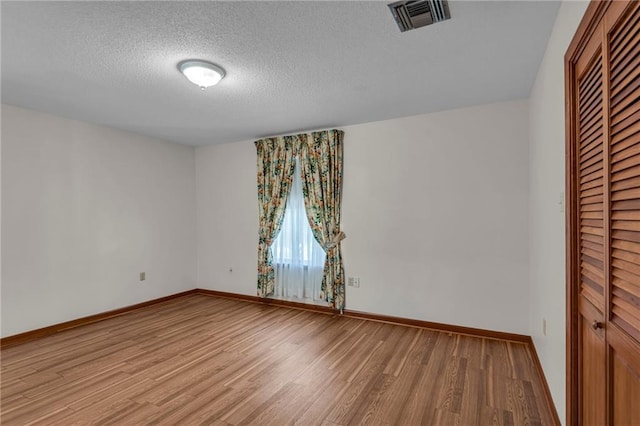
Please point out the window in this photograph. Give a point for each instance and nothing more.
(298, 259)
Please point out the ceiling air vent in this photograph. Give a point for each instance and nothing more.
(415, 14)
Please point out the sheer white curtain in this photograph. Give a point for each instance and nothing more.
(298, 259)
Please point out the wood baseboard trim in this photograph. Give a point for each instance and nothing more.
(447, 328)
(267, 301)
(545, 384)
(28, 336)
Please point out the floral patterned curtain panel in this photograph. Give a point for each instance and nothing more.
(276, 164)
(320, 157)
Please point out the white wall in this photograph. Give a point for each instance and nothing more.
(0, 227)
(84, 210)
(227, 212)
(547, 218)
(434, 208)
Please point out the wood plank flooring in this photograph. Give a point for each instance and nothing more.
(208, 360)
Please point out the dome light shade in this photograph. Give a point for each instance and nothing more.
(201, 73)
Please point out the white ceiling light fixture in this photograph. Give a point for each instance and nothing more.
(201, 73)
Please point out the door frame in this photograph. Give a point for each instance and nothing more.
(588, 25)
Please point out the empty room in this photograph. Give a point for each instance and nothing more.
(320, 212)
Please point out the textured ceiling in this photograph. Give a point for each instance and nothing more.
(290, 65)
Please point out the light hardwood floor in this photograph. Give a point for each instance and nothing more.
(208, 360)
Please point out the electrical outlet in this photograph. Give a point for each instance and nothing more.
(353, 282)
(143, 276)
(544, 326)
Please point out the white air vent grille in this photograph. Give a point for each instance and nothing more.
(415, 14)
